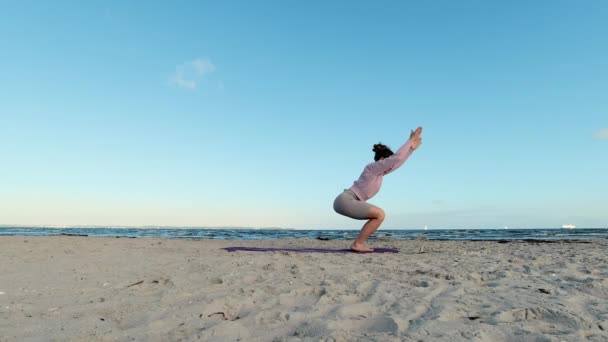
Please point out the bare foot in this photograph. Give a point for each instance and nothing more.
(361, 248)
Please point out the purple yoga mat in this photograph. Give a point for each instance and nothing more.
(306, 250)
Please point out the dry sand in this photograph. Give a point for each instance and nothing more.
(67, 288)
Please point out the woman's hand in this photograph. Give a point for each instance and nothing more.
(416, 142)
(415, 138)
(417, 132)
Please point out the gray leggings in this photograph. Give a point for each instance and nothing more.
(348, 204)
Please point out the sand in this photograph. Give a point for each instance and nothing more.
(66, 288)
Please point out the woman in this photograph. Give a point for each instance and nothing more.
(352, 202)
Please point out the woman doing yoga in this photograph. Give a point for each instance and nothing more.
(353, 201)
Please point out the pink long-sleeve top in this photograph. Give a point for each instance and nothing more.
(370, 181)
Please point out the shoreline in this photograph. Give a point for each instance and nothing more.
(372, 238)
(292, 240)
(106, 288)
(256, 234)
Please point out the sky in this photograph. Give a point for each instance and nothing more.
(259, 113)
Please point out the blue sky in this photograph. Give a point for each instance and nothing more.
(260, 113)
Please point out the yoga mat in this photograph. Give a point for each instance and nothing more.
(306, 250)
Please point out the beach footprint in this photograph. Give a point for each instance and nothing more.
(567, 322)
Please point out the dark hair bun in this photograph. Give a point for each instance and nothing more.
(378, 147)
(381, 151)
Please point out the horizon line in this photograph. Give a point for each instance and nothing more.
(252, 227)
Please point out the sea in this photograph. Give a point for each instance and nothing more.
(551, 234)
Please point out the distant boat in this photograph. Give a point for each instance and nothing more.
(568, 226)
(426, 227)
(506, 227)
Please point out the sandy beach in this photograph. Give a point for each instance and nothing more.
(72, 288)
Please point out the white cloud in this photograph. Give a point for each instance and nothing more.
(189, 74)
(203, 66)
(603, 134)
